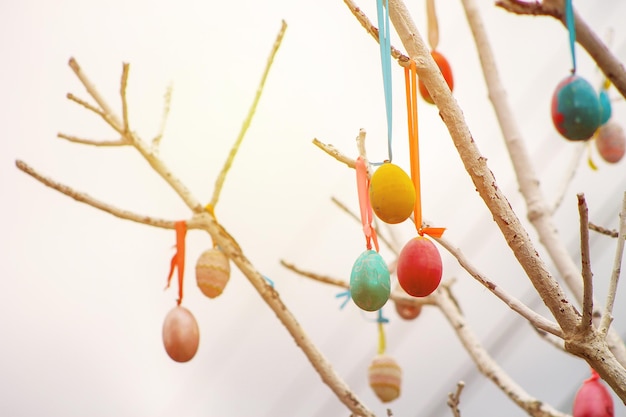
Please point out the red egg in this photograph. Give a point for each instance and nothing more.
(407, 310)
(181, 335)
(446, 71)
(419, 267)
(611, 142)
(593, 399)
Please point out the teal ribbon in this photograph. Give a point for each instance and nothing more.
(385, 58)
(571, 27)
(343, 294)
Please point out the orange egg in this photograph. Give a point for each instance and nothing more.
(446, 71)
(407, 310)
(385, 378)
(181, 334)
(212, 272)
(392, 194)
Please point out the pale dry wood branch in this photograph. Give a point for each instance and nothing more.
(219, 182)
(402, 59)
(547, 337)
(515, 304)
(592, 348)
(84, 141)
(607, 315)
(167, 101)
(317, 277)
(587, 274)
(230, 247)
(608, 63)
(603, 230)
(476, 165)
(123, 86)
(454, 399)
(332, 151)
(94, 202)
(105, 116)
(485, 363)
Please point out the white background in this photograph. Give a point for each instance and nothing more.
(82, 300)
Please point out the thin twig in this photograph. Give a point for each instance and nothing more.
(100, 205)
(123, 86)
(332, 151)
(454, 398)
(84, 141)
(219, 182)
(607, 315)
(402, 59)
(316, 277)
(535, 319)
(587, 275)
(567, 178)
(167, 99)
(557, 343)
(603, 230)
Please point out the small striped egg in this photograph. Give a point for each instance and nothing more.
(385, 378)
(212, 272)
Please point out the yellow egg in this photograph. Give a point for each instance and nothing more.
(392, 194)
(385, 377)
(212, 272)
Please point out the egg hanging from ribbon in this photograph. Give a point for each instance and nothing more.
(407, 310)
(370, 283)
(611, 142)
(593, 399)
(392, 194)
(212, 272)
(385, 378)
(419, 267)
(576, 111)
(446, 71)
(181, 334)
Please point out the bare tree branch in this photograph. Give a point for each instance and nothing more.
(83, 141)
(587, 275)
(454, 398)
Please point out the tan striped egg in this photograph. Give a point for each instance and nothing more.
(212, 272)
(385, 377)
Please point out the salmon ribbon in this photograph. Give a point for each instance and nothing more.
(367, 214)
(410, 77)
(178, 260)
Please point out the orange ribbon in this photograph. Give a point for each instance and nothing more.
(178, 260)
(410, 77)
(367, 214)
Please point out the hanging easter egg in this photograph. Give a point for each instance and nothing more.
(419, 267)
(392, 194)
(385, 378)
(575, 108)
(370, 284)
(593, 399)
(212, 272)
(605, 106)
(446, 71)
(407, 309)
(181, 335)
(611, 142)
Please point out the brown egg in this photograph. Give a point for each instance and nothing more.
(212, 272)
(611, 142)
(181, 335)
(408, 310)
(385, 377)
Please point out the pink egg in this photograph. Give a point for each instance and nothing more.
(385, 378)
(181, 334)
(212, 272)
(611, 142)
(407, 310)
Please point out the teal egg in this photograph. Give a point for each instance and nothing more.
(575, 108)
(370, 284)
(605, 106)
